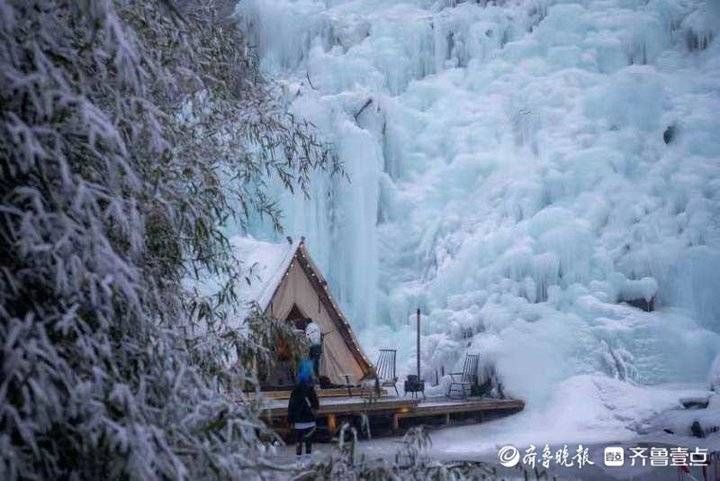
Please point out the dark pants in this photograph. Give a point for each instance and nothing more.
(315, 353)
(304, 436)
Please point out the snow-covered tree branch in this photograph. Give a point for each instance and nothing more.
(130, 132)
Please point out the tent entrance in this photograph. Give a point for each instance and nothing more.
(296, 317)
(282, 374)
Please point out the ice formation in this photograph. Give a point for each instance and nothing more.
(541, 178)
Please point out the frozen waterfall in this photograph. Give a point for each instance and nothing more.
(518, 169)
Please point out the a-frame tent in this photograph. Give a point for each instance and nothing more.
(289, 284)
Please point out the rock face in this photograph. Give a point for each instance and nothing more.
(695, 402)
(669, 134)
(697, 430)
(645, 305)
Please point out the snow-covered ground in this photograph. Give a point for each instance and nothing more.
(518, 170)
(591, 411)
(591, 417)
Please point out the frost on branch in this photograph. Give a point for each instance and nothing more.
(130, 131)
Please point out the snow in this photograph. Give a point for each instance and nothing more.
(521, 169)
(714, 375)
(265, 265)
(600, 421)
(607, 406)
(610, 411)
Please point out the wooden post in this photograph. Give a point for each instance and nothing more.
(331, 424)
(347, 383)
(395, 422)
(418, 343)
(447, 418)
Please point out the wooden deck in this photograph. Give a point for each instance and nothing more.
(336, 392)
(449, 409)
(394, 411)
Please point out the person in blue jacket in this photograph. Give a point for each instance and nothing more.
(302, 407)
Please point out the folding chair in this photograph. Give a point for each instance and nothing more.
(461, 382)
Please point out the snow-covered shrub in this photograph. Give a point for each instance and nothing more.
(130, 132)
(411, 463)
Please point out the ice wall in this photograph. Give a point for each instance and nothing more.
(518, 170)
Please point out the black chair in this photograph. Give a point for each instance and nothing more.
(461, 383)
(385, 369)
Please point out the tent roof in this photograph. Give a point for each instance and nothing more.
(265, 265)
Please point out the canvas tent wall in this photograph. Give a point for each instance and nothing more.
(284, 282)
